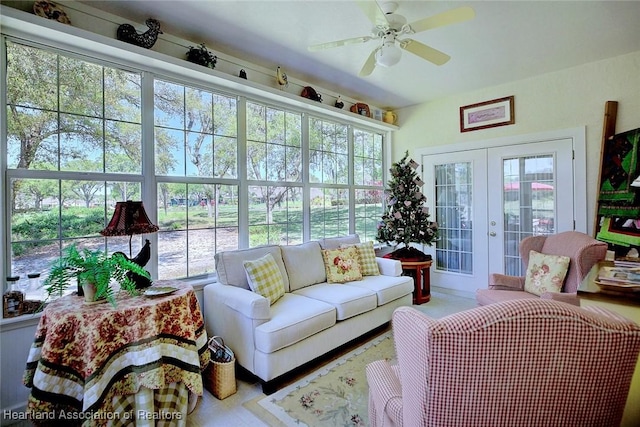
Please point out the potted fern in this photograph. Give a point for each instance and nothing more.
(96, 272)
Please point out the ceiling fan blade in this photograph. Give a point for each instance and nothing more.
(373, 12)
(337, 43)
(452, 16)
(424, 51)
(368, 66)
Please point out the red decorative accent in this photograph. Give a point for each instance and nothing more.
(408, 254)
(129, 218)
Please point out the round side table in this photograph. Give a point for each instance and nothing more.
(419, 270)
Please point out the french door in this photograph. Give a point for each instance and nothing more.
(487, 200)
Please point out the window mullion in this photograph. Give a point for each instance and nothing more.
(306, 190)
(5, 203)
(351, 181)
(243, 189)
(149, 184)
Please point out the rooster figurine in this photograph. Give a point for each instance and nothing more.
(127, 33)
(141, 259)
(281, 78)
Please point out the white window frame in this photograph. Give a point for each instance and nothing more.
(99, 49)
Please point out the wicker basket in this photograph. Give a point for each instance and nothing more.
(220, 378)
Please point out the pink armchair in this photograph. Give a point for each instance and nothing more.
(515, 363)
(583, 250)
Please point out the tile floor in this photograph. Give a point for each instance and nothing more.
(229, 412)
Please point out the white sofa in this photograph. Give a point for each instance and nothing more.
(312, 318)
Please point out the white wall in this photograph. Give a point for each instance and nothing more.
(560, 100)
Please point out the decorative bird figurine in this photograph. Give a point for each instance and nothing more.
(141, 259)
(281, 78)
(339, 103)
(127, 33)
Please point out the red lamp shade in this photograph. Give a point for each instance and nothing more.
(129, 218)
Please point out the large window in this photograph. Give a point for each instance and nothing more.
(367, 182)
(74, 148)
(274, 173)
(216, 171)
(195, 140)
(329, 178)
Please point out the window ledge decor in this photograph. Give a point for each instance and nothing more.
(488, 114)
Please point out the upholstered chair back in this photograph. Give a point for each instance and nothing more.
(529, 362)
(584, 251)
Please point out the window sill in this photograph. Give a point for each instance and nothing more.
(19, 322)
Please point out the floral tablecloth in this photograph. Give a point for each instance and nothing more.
(87, 359)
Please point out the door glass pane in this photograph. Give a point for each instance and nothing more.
(453, 192)
(528, 204)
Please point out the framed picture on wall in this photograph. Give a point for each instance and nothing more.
(497, 112)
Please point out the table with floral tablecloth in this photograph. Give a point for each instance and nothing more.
(133, 364)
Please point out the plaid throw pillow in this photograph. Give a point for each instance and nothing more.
(341, 265)
(366, 258)
(264, 278)
(545, 273)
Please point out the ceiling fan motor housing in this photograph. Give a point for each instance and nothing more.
(389, 7)
(396, 22)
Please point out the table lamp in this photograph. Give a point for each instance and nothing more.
(130, 218)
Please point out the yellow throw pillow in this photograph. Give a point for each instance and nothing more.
(265, 278)
(545, 273)
(341, 265)
(366, 258)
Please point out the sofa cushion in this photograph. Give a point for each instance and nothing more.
(304, 265)
(335, 242)
(265, 278)
(341, 265)
(386, 288)
(366, 258)
(230, 268)
(545, 273)
(293, 318)
(348, 300)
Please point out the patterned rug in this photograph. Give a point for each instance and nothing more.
(337, 393)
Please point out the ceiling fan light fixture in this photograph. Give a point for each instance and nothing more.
(388, 55)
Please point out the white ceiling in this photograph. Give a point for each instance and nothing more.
(507, 40)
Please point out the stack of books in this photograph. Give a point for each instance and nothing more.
(622, 276)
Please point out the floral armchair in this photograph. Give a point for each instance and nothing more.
(583, 252)
(530, 362)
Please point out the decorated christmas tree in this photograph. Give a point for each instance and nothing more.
(407, 219)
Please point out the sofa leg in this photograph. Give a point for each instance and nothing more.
(270, 387)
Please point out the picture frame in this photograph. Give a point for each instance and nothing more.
(488, 114)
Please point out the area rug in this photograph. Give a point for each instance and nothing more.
(337, 393)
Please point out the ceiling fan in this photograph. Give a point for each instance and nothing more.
(388, 26)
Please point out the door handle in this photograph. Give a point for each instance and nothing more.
(492, 234)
